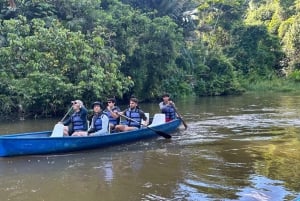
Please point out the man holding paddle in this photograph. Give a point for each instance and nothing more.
(133, 115)
(112, 112)
(167, 107)
(78, 120)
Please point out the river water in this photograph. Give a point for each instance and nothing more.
(235, 148)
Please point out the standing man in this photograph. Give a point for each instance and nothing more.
(133, 115)
(112, 112)
(167, 107)
(77, 121)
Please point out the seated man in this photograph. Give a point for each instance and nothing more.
(133, 116)
(76, 125)
(112, 112)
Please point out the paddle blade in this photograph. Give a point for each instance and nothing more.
(184, 124)
(58, 130)
(165, 135)
(182, 121)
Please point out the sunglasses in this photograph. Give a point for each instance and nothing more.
(109, 102)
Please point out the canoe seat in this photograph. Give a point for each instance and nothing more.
(158, 119)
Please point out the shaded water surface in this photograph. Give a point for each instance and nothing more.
(235, 148)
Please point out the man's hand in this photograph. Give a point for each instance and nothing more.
(171, 103)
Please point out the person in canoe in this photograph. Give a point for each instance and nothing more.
(76, 124)
(167, 106)
(112, 112)
(133, 115)
(100, 120)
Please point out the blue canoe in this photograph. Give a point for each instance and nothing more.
(41, 142)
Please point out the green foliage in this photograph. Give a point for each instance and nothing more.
(281, 18)
(52, 65)
(173, 9)
(275, 84)
(58, 50)
(249, 46)
(256, 46)
(291, 42)
(151, 47)
(295, 76)
(215, 75)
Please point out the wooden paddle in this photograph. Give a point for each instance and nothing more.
(58, 130)
(179, 116)
(163, 134)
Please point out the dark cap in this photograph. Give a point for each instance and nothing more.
(98, 103)
(166, 95)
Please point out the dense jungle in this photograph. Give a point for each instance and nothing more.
(55, 51)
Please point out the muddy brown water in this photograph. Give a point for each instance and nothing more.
(235, 148)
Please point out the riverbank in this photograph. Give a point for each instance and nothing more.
(279, 85)
(274, 85)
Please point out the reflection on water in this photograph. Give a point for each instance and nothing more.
(236, 148)
(262, 188)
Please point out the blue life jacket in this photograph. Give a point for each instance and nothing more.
(113, 120)
(78, 123)
(135, 115)
(169, 111)
(97, 120)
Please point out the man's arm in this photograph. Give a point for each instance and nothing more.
(83, 112)
(67, 121)
(143, 115)
(114, 112)
(161, 105)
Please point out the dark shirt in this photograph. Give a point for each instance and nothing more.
(83, 115)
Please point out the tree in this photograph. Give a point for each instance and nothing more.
(152, 47)
(50, 65)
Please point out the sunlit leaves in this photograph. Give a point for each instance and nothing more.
(281, 18)
(291, 41)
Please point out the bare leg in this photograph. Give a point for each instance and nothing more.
(80, 133)
(120, 128)
(130, 128)
(125, 128)
(66, 130)
(111, 127)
